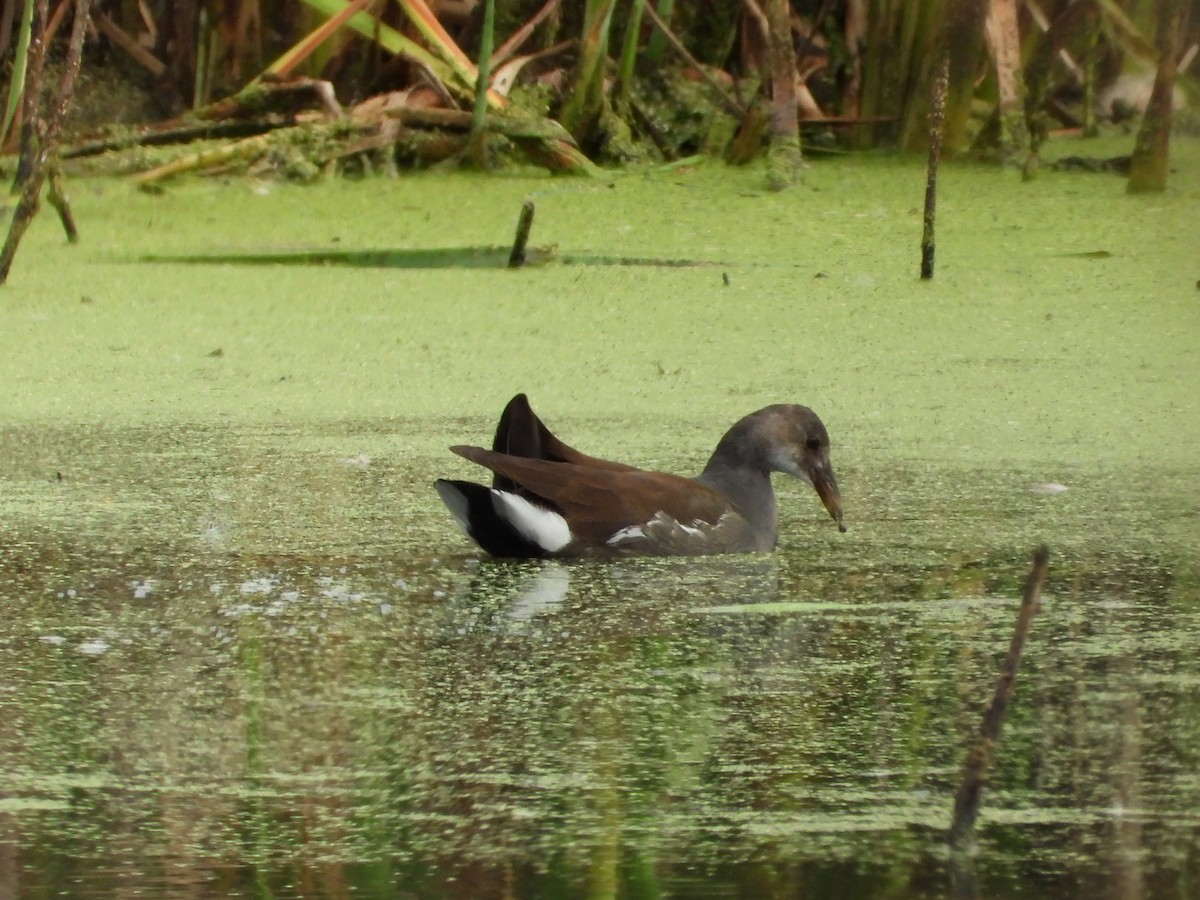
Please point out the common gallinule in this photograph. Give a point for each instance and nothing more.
(548, 499)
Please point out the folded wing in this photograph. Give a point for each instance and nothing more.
(600, 500)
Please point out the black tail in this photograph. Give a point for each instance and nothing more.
(473, 507)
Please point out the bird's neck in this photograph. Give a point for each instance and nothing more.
(749, 491)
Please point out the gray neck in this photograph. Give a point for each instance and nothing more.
(749, 492)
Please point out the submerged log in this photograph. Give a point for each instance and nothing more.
(427, 135)
(242, 151)
(177, 131)
(273, 94)
(460, 120)
(543, 140)
(259, 108)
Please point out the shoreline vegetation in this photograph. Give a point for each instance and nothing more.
(374, 85)
(301, 89)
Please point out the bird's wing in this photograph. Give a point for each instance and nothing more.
(599, 502)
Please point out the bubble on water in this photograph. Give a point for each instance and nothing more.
(1048, 488)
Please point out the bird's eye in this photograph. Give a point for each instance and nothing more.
(813, 443)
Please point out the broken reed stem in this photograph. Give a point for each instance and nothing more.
(937, 118)
(970, 789)
(516, 259)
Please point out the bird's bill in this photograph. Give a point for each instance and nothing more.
(827, 489)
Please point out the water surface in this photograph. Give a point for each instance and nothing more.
(246, 654)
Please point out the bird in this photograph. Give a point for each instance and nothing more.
(549, 500)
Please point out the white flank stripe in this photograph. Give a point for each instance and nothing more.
(547, 529)
(664, 529)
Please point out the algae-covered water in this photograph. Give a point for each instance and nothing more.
(246, 653)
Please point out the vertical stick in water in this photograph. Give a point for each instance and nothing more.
(516, 259)
(970, 789)
(937, 117)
